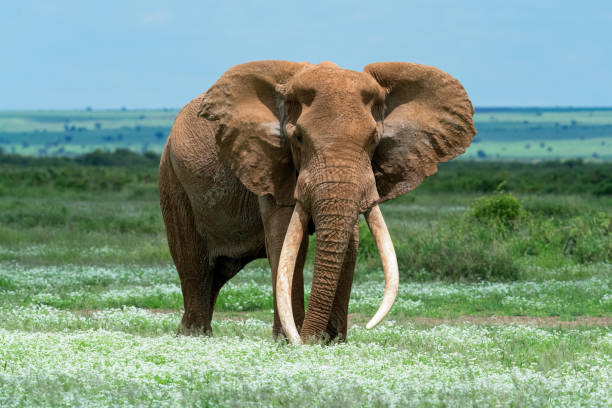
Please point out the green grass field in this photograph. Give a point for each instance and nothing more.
(505, 297)
(503, 133)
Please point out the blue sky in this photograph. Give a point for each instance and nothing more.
(153, 54)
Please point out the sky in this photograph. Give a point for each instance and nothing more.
(161, 54)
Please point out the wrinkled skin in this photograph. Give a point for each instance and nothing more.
(270, 133)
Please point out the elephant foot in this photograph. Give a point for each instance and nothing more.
(194, 327)
(326, 337)
(334, 332)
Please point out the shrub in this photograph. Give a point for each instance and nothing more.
(500, 208)
(455, 249)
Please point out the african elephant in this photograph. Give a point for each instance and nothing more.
(277, 150)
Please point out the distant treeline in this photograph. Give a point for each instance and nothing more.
(117, 158)
(558, 177)
(98, 171)
(532, 109)
(102, 170)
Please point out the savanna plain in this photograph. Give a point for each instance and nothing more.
(505, 294)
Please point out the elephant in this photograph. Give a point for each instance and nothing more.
(277, 150)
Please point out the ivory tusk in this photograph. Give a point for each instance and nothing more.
(379, 230)
(286, 268)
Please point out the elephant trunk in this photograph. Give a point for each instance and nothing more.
(335, 211)
(334, 219)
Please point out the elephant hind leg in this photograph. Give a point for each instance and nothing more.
(188, 250)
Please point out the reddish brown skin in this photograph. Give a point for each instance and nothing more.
(270, 133)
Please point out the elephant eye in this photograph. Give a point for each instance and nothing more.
(297, 136)
(294, 109)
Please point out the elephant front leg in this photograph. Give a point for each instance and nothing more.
(276, 220)
(338, 319)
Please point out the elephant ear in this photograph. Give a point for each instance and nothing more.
(428, 119)
(248, 103)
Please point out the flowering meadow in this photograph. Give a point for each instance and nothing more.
(96, 336)
(503, 301)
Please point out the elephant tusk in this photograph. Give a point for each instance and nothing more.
(286, 267)
(379, 230)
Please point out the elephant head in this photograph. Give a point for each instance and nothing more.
(335, 143)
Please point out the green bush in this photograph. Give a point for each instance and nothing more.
(494, 240)
(500, 208)
(453, 249)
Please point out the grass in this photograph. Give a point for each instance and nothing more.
(393, 365)
(90, 301)
(585, 291)
(46, 207)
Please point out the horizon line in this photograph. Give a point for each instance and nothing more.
(477, 109)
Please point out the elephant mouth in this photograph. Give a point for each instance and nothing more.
(291, 245)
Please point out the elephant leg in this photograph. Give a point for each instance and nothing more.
(189, 252)
(338, 320)
(276, 220)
